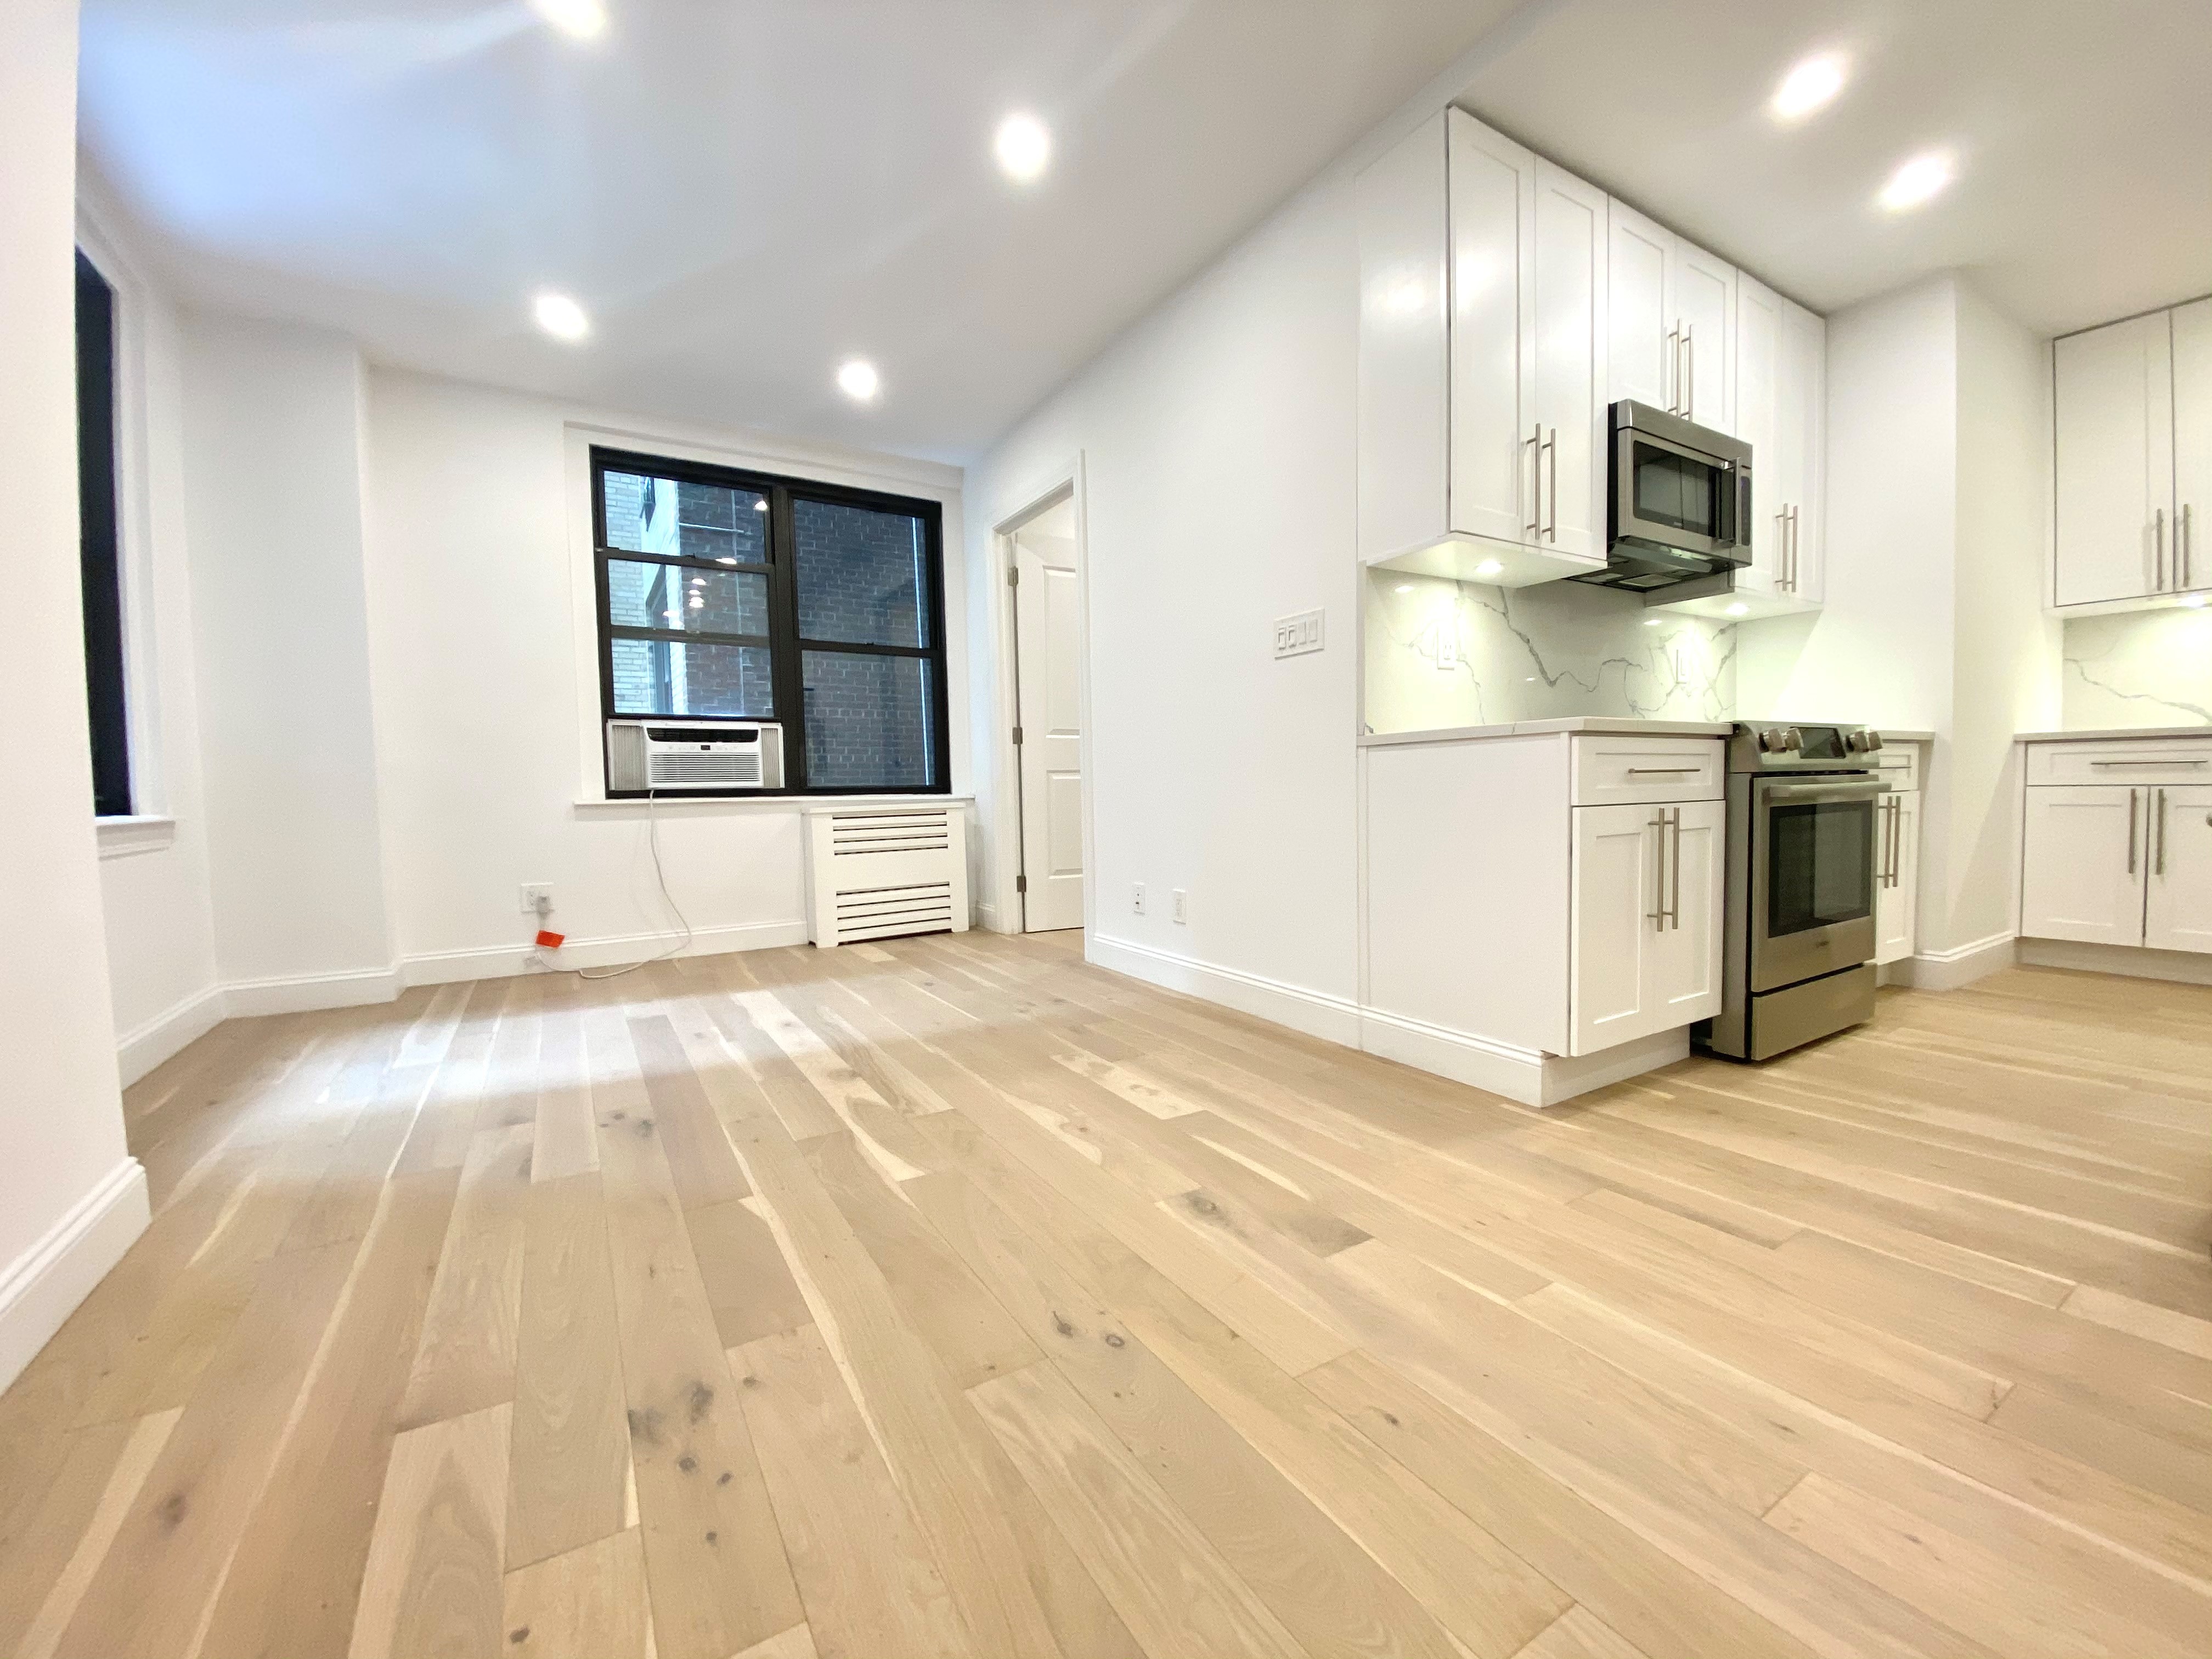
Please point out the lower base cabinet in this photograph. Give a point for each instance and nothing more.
(1896, 874)
(1647, 896)
(2118, 864)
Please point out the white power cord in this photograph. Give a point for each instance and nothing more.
(660, 876)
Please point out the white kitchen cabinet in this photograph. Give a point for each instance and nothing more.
(2081, 875)
(1482, 370)
(1672, 320)
(1896, 874)
(1757, 417)
(1796, 479)
(2115, 532)
(2192, 443)
(2178, 848)
(1646, 913)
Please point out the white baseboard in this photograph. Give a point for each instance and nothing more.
(1526, 1075)
(1952, 969)
(140, 1050)
(2136, 961)
(295, 993)
(42, 1287)
(1331, 1019)
(611, 951)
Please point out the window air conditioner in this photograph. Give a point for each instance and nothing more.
(670, 756)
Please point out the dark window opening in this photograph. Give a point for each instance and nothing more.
(727, 595)
(99, 550)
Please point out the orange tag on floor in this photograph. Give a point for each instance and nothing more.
(551, 941)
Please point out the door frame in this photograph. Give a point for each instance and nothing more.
(1062, 483)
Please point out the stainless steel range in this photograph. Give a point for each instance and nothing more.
(1797, 957)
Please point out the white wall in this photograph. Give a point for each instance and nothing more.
(1218, 448)
(484, 663)
(70, 1197)
(154, 877)
(273, 487)
(2006, 676)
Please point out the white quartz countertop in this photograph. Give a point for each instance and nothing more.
(1603, 724)
(1891, 735)
(2107, 733)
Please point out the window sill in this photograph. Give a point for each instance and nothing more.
(750, 804)
(122, 837)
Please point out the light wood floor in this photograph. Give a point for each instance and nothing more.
(952, 1298)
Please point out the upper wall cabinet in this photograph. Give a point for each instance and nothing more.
(1482, 359)
(2133, 406)
(1779, 407)
(1673, 311)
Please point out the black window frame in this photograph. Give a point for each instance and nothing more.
(787, 646)
(100, 541)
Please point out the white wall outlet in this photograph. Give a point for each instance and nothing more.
(538, 900)
(1296, 635)
(1137, 903)
(1181, 905)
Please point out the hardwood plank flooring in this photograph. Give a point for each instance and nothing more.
(948, 1296)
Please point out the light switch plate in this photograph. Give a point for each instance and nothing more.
(1296, 635)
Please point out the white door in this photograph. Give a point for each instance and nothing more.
(1493, 449)
(1570, 328)
(1758, 387)
(2192, 443)
(1897, 867)
(2178, 915)
(2081, 875)
(1701, 301)
(1682, 959)
(2114, 401)
(1801, 425)
(1640, 356)
(1049, 719)
(1614, 891)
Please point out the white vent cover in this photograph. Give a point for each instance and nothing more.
(880, 871)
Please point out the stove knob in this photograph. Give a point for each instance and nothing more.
(1778, 739)
(1862, 742)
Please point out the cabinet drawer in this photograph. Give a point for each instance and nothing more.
(2145, 760)
(1609, 771)
(1899, 765)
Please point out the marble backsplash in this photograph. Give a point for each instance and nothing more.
(1444, 653)
(2139, 668)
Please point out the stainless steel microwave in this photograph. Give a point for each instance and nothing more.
(1678, 507)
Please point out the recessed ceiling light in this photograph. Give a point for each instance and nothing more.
(1024, 148)
(561, 317)
(1489, 568)
(581, 18)
(858, 379)
(1920, 180)
(1739, 609)
(1808, 86)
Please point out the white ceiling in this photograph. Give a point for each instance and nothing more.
(744, 192)
(741, 192)
(2083, 128)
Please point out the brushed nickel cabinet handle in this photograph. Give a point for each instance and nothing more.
(1534, 441)
(1689, 371)
(2132, 832)
(2161, 868)
(2185, 544)
(1674, 909)
(1658, 915)
(2158, 551)
(1674, 369)
(1552, 443)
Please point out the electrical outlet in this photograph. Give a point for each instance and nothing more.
(536, 900)
(1181, 905)
(1137, 905)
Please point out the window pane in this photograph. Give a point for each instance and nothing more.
(677, 676)
(696, 601)
(680, 520)
(862, 574)
(867, 721)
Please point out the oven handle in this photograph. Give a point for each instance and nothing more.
(1821, 792)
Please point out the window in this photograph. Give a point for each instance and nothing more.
(100, 550)
(727, 595)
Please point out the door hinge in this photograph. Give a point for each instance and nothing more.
(1017, 737)
(1013, 576)
(1021, 884)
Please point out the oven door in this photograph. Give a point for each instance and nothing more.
(1812, 877)
(1678, 496)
